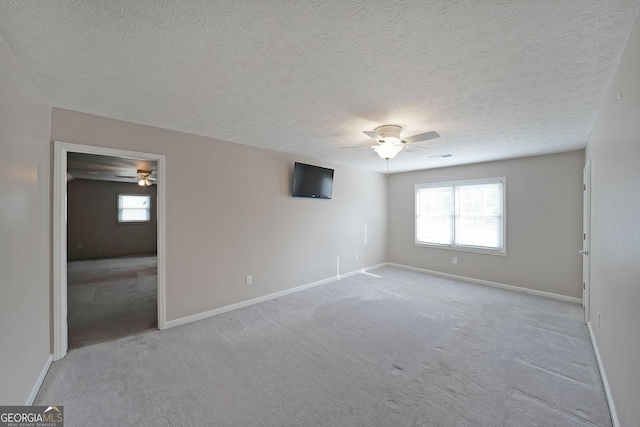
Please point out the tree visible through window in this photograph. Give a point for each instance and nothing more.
(134, 208)
(462, 214)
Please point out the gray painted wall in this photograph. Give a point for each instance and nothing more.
(229, 213)
(544, 224)
(25, 156)
(614, 150)
(92, 221)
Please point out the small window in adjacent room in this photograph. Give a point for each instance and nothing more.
(463, 215)
(134, 208)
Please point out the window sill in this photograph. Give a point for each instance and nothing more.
(499, 252)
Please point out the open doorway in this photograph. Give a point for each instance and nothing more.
(109, 275)
(111, 247)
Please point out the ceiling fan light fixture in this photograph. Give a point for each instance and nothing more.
(145, 181)
(388, 150)
(389, 142)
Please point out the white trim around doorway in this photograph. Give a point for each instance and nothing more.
(60, 328)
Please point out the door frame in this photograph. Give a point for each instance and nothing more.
(61, 149)
(586, 241)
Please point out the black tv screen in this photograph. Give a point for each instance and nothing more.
(312, 181)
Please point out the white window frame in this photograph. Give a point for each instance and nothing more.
(478, 249)
(137, 221)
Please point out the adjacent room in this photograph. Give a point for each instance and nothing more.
(321, 213)
(111, 248)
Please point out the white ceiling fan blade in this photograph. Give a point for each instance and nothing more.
(354, 146)
(422, 137)
(372, 135)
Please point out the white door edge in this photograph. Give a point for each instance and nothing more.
(61, 149)
(586, 240)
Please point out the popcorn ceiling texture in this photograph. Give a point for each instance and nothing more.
(497, 79)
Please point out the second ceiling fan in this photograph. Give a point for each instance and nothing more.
(144, 177)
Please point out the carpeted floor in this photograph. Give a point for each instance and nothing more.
(111, 298)
(401, 349)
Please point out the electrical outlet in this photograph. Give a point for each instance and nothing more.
(249, 279)
(598, 319)
(356, 257)
(455, 260)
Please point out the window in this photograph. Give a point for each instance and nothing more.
(465, 215)
(134, 208)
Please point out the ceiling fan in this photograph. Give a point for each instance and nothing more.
(389, 141)
(144, 177)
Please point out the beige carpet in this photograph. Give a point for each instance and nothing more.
(397, 348)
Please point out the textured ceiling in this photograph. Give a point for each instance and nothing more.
(107, 168)
(497, 79)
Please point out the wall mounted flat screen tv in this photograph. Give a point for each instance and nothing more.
(312, 181)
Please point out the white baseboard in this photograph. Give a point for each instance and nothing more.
(363, 270)
(492, 284)
(605, 383)
(214, 312)
(38, 384)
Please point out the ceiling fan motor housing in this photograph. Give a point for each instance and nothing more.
(390, 133)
